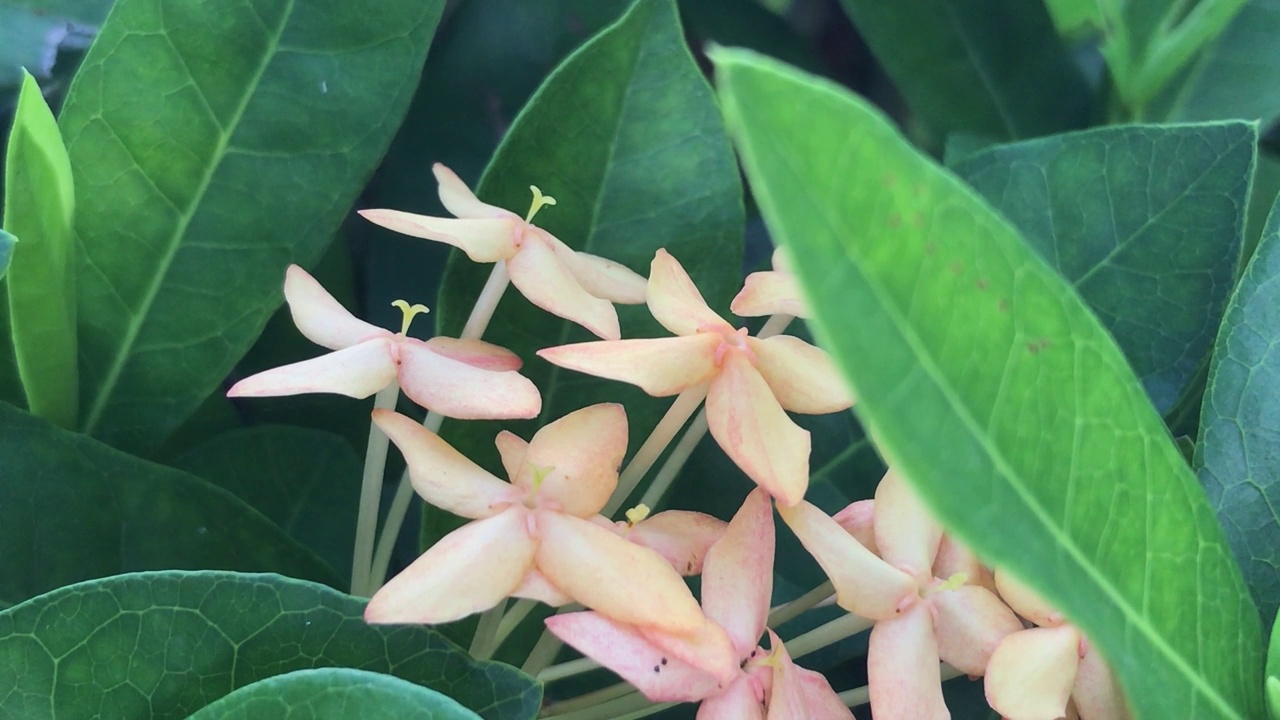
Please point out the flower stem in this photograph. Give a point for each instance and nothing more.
(792, 610)
(482, 642)
(568, 669)
(542, 654)
(827, 634)
(618, 697)
(375, 463)
(676, 460)
(685, 405)
(862, 695)
(487, 303)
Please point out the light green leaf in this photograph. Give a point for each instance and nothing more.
(165, 644)
(1075, 17)
(39, 201)
(1273, 675)
(213, 144)
(986, 381)
(7, 242)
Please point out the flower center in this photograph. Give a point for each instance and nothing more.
(733, 341)
(409, 311)
(539, 200)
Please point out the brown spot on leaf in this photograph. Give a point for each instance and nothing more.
(895, 220)
(1003, 305)
(957, 267)
(983, 284)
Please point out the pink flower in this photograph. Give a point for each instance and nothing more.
(771, 292)
(466, 379)
(751, 381)
(682, 537)
(573, 285)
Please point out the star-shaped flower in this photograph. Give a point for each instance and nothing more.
(770, 292)
(573, 285)
(683, 537)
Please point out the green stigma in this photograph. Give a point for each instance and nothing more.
(637, 513)
(955, 582)
(409, 312)
(538, 201)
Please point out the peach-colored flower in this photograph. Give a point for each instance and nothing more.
(771, 292)
(683, 537)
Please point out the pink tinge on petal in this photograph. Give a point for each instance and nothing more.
(1025, 601)
(660, 367)
(681, 536)
(801, 376)
(625, 651)
(865, 584)
(752, 429)
(800, 694)
(458, 199)
(953, 557)
(739, 701)
(358, 371)
(441, 475)
(737, 577)
(1031, 673)
(512, 449)
(769, 293)
(601, 277)
(708, 648)
(540, 276)
(859, 520)
(970, 623)
(906, 532)
(484, 241)
(904, 676)
(458, 390)
(536, 586)
(467, 571)
(579, 455)
(675, 301)
(1097, 695)
(321, 318)
(476, 353)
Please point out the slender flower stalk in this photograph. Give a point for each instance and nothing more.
(375, 463)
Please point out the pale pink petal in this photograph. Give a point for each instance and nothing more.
(769, 293)
(661, 366)
(601, 277)
(737, 577)
(579, 454)
(778, 261)
(467, 571)
(484, 241)
(800, 694)
(903, 673)
(1097, 694)
(458, 390)
(540, 277)
(865, 584)
(755, 433)
(740, 701)
(476, 353)
(858, 519)
(1026, 602)
(675, 301)
(708, 648)
(681, 536)
(953, 558)
(512, 449)
(625, 651)
(906, 532)
(971, 621)
(358, 371)
(320, 317)
(441, 475)
(536, 586)
(801, 376)
(1032, 671)
(458, 199)
(629, 583)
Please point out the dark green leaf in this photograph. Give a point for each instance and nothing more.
(334, 694)
(212, 145)
(989, 384)
(85, 12)
(1145, 221)
(6, 251)
(165, 644)
(79, 509)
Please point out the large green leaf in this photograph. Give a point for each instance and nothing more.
(38, 204)
(212, 145)
(1273, 675)
(988, 383)
(991, 68)
(1145, 221)
(73, 509)
(165, 644)
(334, 694)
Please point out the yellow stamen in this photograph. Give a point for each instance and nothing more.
(952, 583)
(637, 513)
(409, 312)
(539, 474)
(538, 201)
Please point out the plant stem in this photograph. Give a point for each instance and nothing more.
(568, 669)
(375, 463)
(482, 642)
(862, 695)
(542, 654)
(827, 634)
(685, 405)
(676, 460)
(792, 610)
(609, 697)
(487, 303)
(512, 619)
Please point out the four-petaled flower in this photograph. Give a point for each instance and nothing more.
(681, 536)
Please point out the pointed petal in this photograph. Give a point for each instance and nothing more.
(675, 301)
(660, 367)
(476, 353)
(1031, 674)
(468, 571)
(769, 293)
(801, 376)
(628, 583)
(484, 241)
(458, 390)
(458, 199)
(858, 519)
(708, 648)
(583, 450)
(1097, 694)
(540, 277)
(903, 673)
(1026, 602)
(536, 586)
(953, 557)
(971, 621)
(601, 277)
(512, 449)
(906, 532)
(800, 694)
(752, 429)
(681, 537)
(739, 701)
(737, 578)
(624, 650)
(442, 475)
(865, 584)
(358, 371)
(320, 317)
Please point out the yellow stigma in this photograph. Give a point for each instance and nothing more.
(637, 513)
(955, 582)
(538, 201)
(409, 312)
(539, 474)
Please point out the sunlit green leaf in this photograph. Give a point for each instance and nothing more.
(335, 694)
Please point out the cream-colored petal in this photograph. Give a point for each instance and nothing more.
(769, 293)
(675, 301)
(602, 277)
(458, 390)
(755, 432)
(443, 476)
(953, 557)
(476, 353)
(578, 456)
(321, 318)
(358, 371)
(800, 694)
(801, 376)
(1026, 602)
(1097, 694)
(536, 586)
(903, 673)
(512, 449)
(458, 199)
(468, 571)
(737, 578)
(681, 536)
(858, 519)
(539, 275)
(629, 583)
(661, 366)
(970, 623)
(906, 532)
(739, 701)
(484, 241)
(865, 584)
(1031, 673)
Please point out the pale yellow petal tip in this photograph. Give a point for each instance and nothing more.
(410, 312)
(539, 201)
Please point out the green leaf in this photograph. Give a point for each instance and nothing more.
(80, 510)
(1145, 221)
(988, 383)
(334, 694)
(1273, 675)
(306, 481)
(1075, 17)
(212, 145)
(39, 201)
(7, 242)
(84, 12)
(165, 644)
(992, 68)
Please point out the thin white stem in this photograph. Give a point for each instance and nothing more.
(618, 697)
(568, 669)
(482, 312)
(685, 405)
(827, 634)
(375, 464)
(512, 619)
(862, 695)
(676, 460)
(542, 654)
(482, 642)
(790, 611)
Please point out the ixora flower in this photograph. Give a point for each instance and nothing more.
(683, 537)
(467, 379)
(573, 285)
(752, 381)
(532, 537)
(770, 292)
